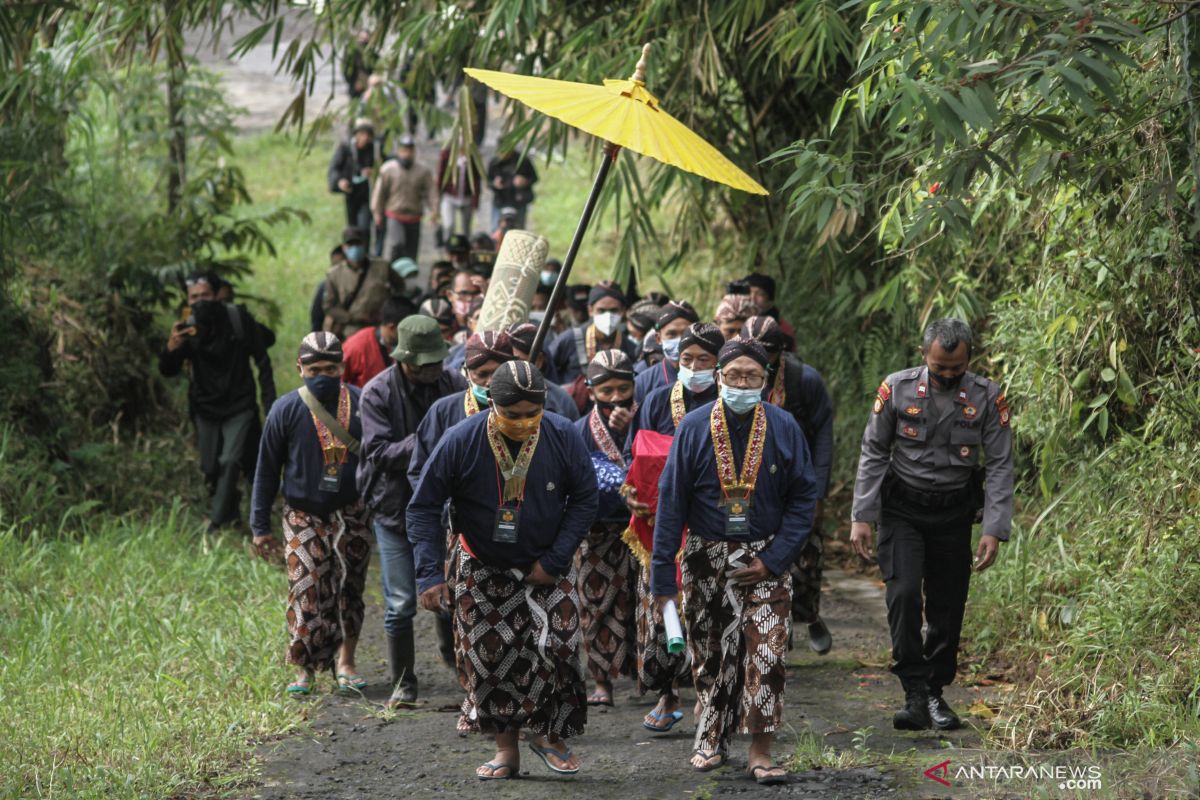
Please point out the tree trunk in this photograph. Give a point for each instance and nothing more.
(176, 76)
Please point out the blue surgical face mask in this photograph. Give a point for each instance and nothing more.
(480, 393)
(741, 401)
(548, 277)
(324, 387)
(671, 350)
(696, 381)
(355, 252)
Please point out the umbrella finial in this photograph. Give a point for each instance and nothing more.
(639, 72)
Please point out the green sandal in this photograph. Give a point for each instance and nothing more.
(351, 681)
(301, 687)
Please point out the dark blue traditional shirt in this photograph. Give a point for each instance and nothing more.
(611, 509)
(664, 373)
(655, 412)
(290, 446)
(556, 511)
(564, 352)
(443, 415)
(807, 400)
(689, 492)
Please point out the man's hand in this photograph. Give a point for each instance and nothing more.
(539, 577)
(620, 418)
(367, 172)
(267, 548)
(177, 337)
(985, 554)
(520, 181)
(638, 509)
(379, 220)
(660, 602)
(860, 539)
(755, 572)
(498, 182)
(436, 598)
(344, 185)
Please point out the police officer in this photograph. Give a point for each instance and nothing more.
(920, 482)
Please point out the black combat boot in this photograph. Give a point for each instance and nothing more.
(445, 634)
(940, 712)
(404, 679)
(819, 637)
(915, 714)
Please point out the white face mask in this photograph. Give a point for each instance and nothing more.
(607, 322)
(536, 317)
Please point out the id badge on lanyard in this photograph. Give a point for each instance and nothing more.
(331, 478)
(505, 529)
(737, 515)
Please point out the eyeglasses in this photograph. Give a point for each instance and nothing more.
(743, 380)
(472, 293)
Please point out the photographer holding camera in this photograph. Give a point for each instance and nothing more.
(219, 341)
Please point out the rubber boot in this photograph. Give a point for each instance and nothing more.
(915, 714)
(401, 657)
(445, 635)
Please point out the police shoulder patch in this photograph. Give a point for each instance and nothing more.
(882, 395)
(1002, 408)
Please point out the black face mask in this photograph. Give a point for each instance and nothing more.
(945, 383)
(610, 406)
(405, 162)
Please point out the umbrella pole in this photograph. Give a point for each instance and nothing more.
(560, 285)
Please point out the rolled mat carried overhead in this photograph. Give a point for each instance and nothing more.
(514, 280)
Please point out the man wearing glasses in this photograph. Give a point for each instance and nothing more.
(739, 478)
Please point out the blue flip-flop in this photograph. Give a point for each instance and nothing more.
(541, 753)
(673, 718)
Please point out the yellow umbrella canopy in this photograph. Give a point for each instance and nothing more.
(626, 114)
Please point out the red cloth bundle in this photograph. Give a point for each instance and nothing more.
(650, 451)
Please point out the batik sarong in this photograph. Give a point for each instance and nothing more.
(607, 596)
(326, 559)
(738, 640)
(658, 671)
(518, 651)
(806, 580)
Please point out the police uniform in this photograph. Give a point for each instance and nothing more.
(919, 481)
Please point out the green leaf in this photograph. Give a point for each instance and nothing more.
(1108, 375)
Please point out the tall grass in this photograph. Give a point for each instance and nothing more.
(1097, 602)
(136, 661)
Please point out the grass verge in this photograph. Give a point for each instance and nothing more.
(136, 661)
(1097, 606)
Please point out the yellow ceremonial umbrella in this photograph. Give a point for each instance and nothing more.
(624, 114)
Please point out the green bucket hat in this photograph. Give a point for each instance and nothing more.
(419, 341)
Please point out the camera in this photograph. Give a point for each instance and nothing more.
(737, 287)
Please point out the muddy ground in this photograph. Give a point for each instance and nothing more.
(840, 703)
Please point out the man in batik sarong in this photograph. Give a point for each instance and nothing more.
(524, 496)
(659, 671)
(739, 478)
(607, 567)
(311, 438)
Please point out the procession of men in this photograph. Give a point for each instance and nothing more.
(619, 487)
(566, 541)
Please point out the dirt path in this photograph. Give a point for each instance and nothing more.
(838, 718)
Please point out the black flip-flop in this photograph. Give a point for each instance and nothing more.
(717, 754)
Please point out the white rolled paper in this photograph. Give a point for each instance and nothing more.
(674, 629)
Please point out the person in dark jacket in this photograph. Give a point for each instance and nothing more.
(310, 451)
(511, 175)
(800, 390)
(220, 341)
(350, 170)
(393, 404)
